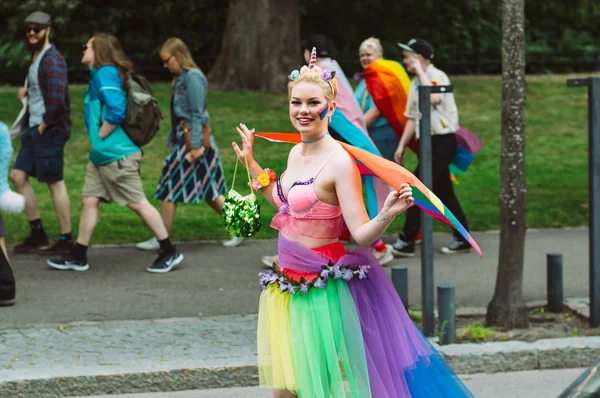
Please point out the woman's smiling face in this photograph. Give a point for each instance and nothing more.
(309, 108)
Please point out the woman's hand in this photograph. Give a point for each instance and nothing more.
(195, 154)
(398, 201)
(247, 137)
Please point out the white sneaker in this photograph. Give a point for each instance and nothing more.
(385, 256)
(234, 241)
(269, 260)
(150, 244)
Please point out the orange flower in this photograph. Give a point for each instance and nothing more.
(434, 83)
(272, 175)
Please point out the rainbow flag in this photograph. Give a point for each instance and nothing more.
(468, 145)
(395, 175)
(348, 123)
(388, 84)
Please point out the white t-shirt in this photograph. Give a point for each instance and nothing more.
(444, 116)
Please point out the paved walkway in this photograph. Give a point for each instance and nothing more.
(214, 280)
(117, 328)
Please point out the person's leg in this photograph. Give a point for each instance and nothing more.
(94, 191)
(62, 205)
(167, 213)
(7, 278)
(444, 150)
(168, 257)
(20, 180)
(76, 259)
(37, 237)
(151, 218)
(88, 219)
(283, 394)
(217, 204)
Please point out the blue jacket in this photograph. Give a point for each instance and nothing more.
(105, 100)
(188, 102)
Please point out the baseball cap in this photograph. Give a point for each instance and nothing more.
(320, 42)
(418, 46)
(38, 17)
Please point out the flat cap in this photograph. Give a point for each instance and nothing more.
(38, 17)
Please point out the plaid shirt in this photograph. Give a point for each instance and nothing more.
(54, 83)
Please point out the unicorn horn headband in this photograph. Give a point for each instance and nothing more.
(313, 67)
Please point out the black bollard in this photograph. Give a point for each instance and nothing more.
(400, 280)
(554, 276)
(446, 309)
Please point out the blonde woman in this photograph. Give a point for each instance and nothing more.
(382, 133)
(192, 171)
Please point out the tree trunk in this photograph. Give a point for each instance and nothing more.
(261, 46)
(507, 307)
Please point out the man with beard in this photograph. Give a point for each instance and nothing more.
(42, 146)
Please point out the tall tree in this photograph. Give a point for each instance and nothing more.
(260, 45)
(507, 307)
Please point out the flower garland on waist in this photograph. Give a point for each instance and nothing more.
(329, 271)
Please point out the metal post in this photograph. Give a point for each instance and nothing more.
(400, 280)
(554, 282)
(425, 176)
(593, 85)
(447, 309)
(426, 221)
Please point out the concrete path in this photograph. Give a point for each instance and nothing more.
(530, 384)
(214, 280)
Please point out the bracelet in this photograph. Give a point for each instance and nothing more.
(264, 179)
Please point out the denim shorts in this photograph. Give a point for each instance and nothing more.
(42, 155)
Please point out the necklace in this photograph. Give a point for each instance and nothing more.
(316, 139)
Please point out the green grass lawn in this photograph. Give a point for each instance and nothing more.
(556, 129)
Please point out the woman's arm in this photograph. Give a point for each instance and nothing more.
(196, 93)
(253, 166)
(113, 98)
(371, 116)
(348, 188)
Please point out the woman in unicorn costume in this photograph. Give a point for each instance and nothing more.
(9, 202)
(330, 322)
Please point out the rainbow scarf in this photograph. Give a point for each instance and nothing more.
(388, 84)
(394, 175)
(348, 122)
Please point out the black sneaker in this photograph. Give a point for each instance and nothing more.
(68, 262)
(165, 262)
(7, 295)
(60, 248)
(403, 248)
(31, 244)
(458, 246)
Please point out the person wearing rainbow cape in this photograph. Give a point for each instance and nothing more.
(330, 322)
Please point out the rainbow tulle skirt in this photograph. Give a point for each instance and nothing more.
(332, 325)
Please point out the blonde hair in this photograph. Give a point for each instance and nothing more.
(314, 77)
(180, 51)
(371, 44)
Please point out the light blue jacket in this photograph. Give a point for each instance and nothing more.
(361, 93)
(188, 102)
(105, 100)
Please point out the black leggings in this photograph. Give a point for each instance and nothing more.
(443, 151)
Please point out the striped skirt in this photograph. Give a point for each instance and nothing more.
(185, 182)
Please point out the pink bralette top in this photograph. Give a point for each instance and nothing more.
(302, 213)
